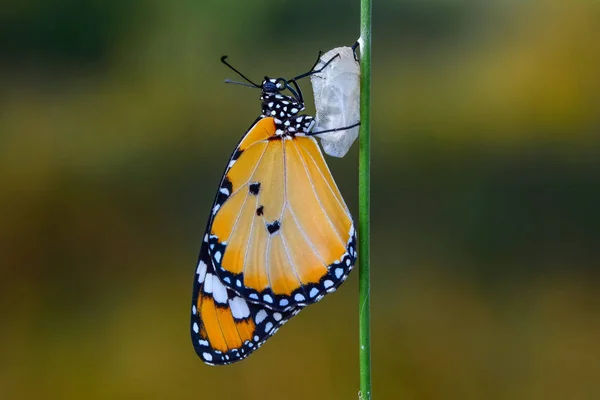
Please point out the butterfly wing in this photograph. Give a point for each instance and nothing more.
(280, 233)
(225, 327)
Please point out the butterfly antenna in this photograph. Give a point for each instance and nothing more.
(241, 83)
(239, 73)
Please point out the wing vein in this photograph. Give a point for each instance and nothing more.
(237, 219)
(245, 199)
(314, 190)
(250, 240)
(342, 204)
(287, 254)
(306, 238)
(285, 203)
(267, 249)
(234, 323)
(216, 316)
(251, 175)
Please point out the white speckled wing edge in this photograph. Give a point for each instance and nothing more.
(266, 321)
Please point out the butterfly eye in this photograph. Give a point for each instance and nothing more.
(269, 86)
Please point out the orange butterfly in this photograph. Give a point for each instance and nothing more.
(279, 236)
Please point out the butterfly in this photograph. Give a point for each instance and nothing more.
(279, 235)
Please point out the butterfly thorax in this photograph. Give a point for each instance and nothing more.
(284, 110)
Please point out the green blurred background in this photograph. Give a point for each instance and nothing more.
(115, 126)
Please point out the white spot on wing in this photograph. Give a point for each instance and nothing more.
(299, 297)
(208, 284)
(314, 292)
(196, 328)
(239, 308)
(339, 272)
(218, 256)
(207, 356)
(268, 298)
(328, 284)
(283, 302)
(277, 316)
(219, 291)
(201, 271)
(225, 191)
(260, 316)
(268, 327)
(203, 342)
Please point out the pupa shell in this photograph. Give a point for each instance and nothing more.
(337, 100)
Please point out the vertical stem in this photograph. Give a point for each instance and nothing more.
(364, 193)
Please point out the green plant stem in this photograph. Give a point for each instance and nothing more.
(364, 200)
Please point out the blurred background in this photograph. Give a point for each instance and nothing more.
(115, 126)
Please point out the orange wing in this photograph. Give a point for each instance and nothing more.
(280, 233)
(225, 327)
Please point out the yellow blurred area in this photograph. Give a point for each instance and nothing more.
(115, 126)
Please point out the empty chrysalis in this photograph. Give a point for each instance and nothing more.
(337, 100)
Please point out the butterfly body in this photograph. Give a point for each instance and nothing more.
(284, 111)
(279, 236)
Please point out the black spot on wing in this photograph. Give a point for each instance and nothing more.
(259, 211)
(274, 227)
(254, 188)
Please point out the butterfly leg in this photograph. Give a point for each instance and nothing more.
(354, 47)
(313, 70)
(317, 60)
(334, 129)
(309, 73)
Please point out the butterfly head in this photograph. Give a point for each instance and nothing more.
(273, 86)
(275, 103)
